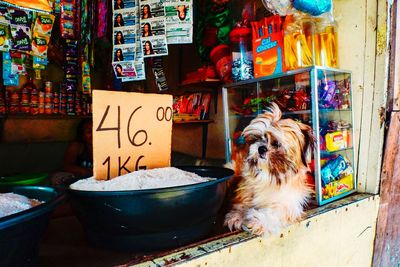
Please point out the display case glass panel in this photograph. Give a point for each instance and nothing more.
(320, 97)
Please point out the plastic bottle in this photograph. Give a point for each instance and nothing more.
(242, 54)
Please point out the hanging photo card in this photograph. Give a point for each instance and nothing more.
(152, 27)
(124, 69)
(178, 13)
(154, 46)
(125, 17)
(124, 53)
(131, 131)
(140, 73)
(151, 9)
(124, 35)
(179, 22)
(179, 34)
(127, 50)
(122, 4)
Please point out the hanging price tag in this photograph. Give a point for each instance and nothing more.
(131, 131)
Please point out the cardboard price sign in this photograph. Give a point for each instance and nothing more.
(131, 131)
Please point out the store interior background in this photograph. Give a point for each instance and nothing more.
(34, 144)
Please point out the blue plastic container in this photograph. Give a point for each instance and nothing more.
(152, 219)
(20, 233)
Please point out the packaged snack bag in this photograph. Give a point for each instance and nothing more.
(41, 34)
(5, 41)
(268, 46)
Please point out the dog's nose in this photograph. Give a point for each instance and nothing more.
(262, 150)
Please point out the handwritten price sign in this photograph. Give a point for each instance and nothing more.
(131, 131)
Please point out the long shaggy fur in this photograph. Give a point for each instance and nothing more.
(273, 191)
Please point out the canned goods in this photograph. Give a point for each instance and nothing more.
(48, 87)
(34, 109)
(63, 108)
(41, 97)
(41, 108)
(56, 98)
(48, 108)
(48, 97)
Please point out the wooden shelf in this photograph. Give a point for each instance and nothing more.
(43, 117)
(192, 121)
(201, 84)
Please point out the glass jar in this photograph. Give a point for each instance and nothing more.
(299, 42)
(326, 43)
(242, 54)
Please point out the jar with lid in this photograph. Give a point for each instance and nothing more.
(299, 42)
(242, 54)
(326, 42)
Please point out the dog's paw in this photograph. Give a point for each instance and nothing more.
(255, 226)
(263, 222)
(234, 220)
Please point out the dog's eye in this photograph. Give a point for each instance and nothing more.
(275, 144)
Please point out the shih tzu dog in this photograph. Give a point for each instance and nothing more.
(272, 192)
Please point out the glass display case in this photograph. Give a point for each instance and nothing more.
(318, 96)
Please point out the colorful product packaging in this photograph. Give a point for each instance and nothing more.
(5, 40)
(268, 45)
(41, 34)
(67, 20)
(10, 78)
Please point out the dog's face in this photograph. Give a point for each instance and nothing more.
(277, 147)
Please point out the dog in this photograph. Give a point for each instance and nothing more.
(273, 191)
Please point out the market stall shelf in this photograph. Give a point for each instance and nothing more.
(318, 96)
(204, 124)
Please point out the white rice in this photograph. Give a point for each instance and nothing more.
(11, 203)
(143, 179)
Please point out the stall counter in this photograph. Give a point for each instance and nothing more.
(338, 234)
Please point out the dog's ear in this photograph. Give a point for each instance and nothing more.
(309, 143)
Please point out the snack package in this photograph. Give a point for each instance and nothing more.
(268, 46)
(67, 20)
(336, 141)
(334, 169)
(5, 41)
(41, 34)
(44, 24)
(4, 15)
(10, 78)
(86, 82)
(21, 38)
(20, 17)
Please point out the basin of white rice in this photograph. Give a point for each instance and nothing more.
(11, 203)
(142, 179)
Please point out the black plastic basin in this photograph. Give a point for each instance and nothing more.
(152, 219)
(20, 233)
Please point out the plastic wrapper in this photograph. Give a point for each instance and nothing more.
(102, 19)
(10, 78)
(36, 5)
(334, 169)
(4, 15)
(44, 24)
(5, 40)
(313, 7)
(281, 7)
(20, 17)
(67, 20)
(21, 38)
